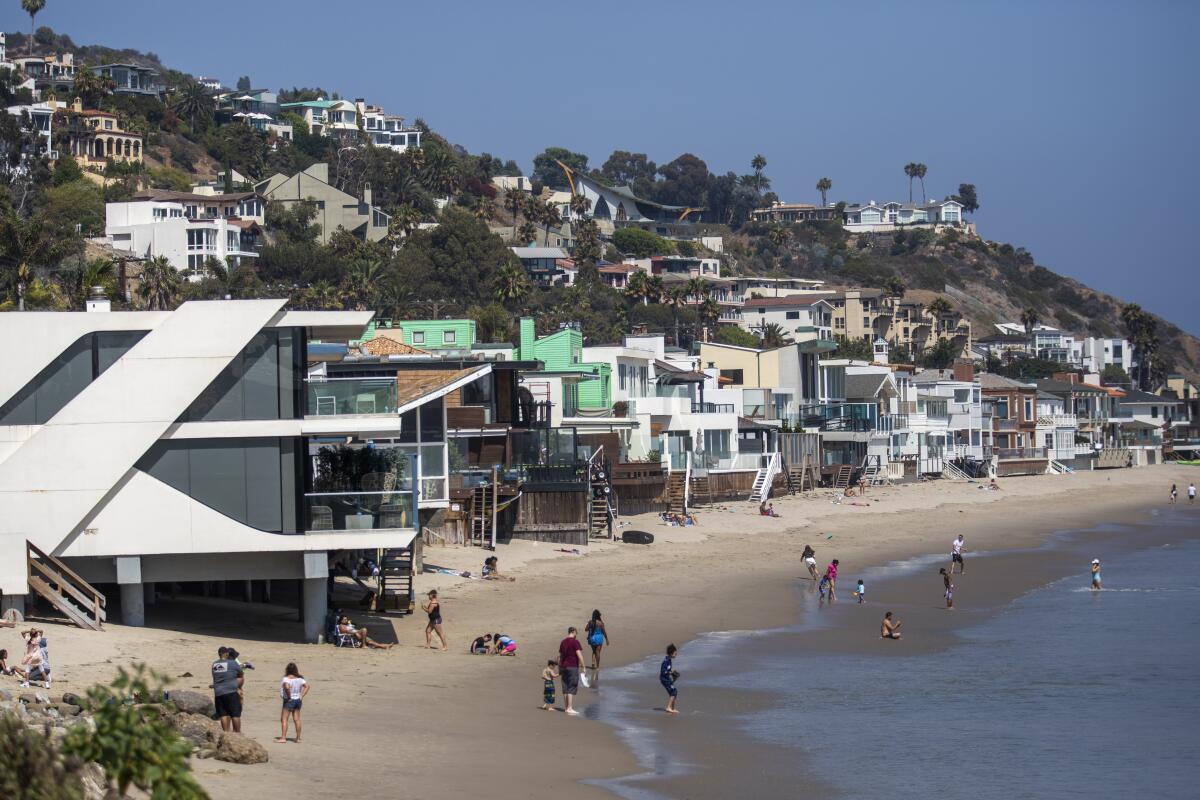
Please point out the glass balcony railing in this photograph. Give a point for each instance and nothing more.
(358, 511)
(350, 396)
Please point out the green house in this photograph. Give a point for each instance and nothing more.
(429, 334)
(585, 385)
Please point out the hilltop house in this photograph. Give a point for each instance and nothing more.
(388, 130)
(873, 218)
(41, 120)
(96, 137)
(617, 206)
(794, 314)
(544, 265)
(787, 213)
(335, 208)
(187, 229)
(52, 73)
(132, 79)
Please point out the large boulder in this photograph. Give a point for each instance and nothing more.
(75, 700)
(238, 749)
(194, 702)
(68, 710)
(197, 729)
(93, 781)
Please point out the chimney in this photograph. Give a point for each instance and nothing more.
(528, 336)
(964, 371)
(96, 301)
(366, 198)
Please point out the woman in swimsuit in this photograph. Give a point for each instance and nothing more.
(889, 629)
(434, 609)
(809, 557)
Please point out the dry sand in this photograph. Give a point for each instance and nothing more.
(425, 724)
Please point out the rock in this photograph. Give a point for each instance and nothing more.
(73, 699)
(68, 710)
(205, 752)
(238, 749)
(42, 697)
(86, 722)
(152, 709)
(28, 697)
(92, 778)
(197, 729)
(5, 695)
(38, 709)
(193, 702)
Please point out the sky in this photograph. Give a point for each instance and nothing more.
(1076, 121)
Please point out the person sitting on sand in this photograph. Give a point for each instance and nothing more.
(762, 509)
(482, 645)
(503, 645)
(491, 570)
(995, 487)
(347, 627)
(5, 669)
(889, 629)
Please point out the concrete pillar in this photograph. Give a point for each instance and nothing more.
(315, 595)
(133, 595)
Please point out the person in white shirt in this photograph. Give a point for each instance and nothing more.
(956, 557)
(1191, 493)
(292, 689)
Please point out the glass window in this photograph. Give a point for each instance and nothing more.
(734, 375)
(621, 370)
(418, 337)
(1028, 408)
(962, 395)
(449, 337)
(433, 427)
(792, 315)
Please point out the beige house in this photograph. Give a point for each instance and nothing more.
(96, 137)
(872, 314)
(335, 208)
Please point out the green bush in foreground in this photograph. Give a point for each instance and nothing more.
(30, 766)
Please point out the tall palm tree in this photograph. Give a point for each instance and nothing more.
(361, 287)
(91, 87)
(774, 336)
(940, 307)
(758, 164)
(638, 286)
(484, 209)
(823, 186)
(919, 172)
(676, 297)
(549, 218)
(910, 169)
(707, 313)
(511, 284)
(580, 205)
(440, 174)
(32, 7)
(1030, 320)
(403, 222)
(697, 288)
(654, 288)
(527, 232)
(779, 235)
(192, 100)
(514, 201)
(24, 246)
(99, 272)
(159, 284)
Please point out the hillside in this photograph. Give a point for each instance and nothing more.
(987, 281)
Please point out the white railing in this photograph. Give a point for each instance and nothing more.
(1058, 420)
(1084, 449)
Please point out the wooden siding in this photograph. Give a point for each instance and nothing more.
(558, 517)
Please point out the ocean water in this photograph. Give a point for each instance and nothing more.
(1062, 692)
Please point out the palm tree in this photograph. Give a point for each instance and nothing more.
(758, 164)
(403, 222)
(515, 202)
(192, 100)
(511, 284)
(527, 232)
(654, 287)
(91, 87)
(361, 287)
(485, 208)
(32, 7)
(638, 286)
(940, 307)
(707, 313)
(549, 218)
(1030, 320)
(823, 186)
(895, 287)
(440, 175)
(910, 169)
(24, 246)
(919, 172)
(676, 297)
(779, 235)
(774, 336)
(159, 284)
(99, 272)
(580, 205)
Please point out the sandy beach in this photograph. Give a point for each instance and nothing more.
(423, 723)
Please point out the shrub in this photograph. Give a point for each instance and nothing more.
(30, 765)
(640, 243)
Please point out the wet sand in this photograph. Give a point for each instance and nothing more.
(422, 723)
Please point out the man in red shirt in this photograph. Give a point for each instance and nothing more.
(570, 653)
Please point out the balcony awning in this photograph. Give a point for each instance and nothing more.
(672, 378)
(817, 346)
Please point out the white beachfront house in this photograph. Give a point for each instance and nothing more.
(1139, 421)
(143, 448)
(1057, 428)
(797, 313)
(873, 217)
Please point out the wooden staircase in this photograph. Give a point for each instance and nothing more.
(481, 515)
(74, 597)
(701, 488)
(598, 527)
(396, 579)
(677, 493)
(842, 479)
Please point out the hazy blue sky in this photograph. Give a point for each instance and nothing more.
(1077, 121)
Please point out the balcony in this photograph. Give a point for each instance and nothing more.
(361, 511)
(712, 408)
(350, 396)
(1020, 453)
(1058, 420)
(1004, 425)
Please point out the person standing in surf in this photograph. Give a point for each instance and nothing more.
(949, 595)
(667, 677)
(597, 637)
(831, 579)
(1096, 573)
(956, 556)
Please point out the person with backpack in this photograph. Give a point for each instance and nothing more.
(597, 637)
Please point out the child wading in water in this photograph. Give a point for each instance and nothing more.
(949, 586)
(292, 689)
(861, 592)
(549, 674)
(667, 677)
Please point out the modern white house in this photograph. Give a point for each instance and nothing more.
(1139, 421)
(1057, 428)
(190, 446)
(187, 229)
(1094, 354)
(388, 130)
(41, 120)
(796, 313)
(873, 217)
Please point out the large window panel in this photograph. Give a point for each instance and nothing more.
(263, 485)
(433, 428)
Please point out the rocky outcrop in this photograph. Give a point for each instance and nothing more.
(201, 731)
(237, 749)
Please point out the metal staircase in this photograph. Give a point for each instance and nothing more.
(1057, 468)
(74, 597)
(396, 579)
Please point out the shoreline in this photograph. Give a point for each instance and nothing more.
(441, 724)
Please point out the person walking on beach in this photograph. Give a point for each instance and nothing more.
(667, 675)
(433, 608)
(293, 688)
(831, 573)
(949, 588)
(1174, 494)
(889, 628)
(597, 637)
(570, 654)
(956, 555)
(1096, 573)
(809, 557)
(548, 676)
(227, 678)
(1191, 493)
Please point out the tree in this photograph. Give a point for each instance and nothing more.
(25, 245)
(910, 169)
(63, 207)
(919, 172)
(779, 235)
(941, 355)
(527, 232)
(493, 322)
(630, 169)
(758, 164)
(580, 205)
(92, 87)
(547, 171)
(940, 307)
(243, 84)
(294, 223)
(403, 222)
(676, 297)
(1114, 375)
(550, 218)
(708, 314)
(134, 744)
(159, 284)
(738, 337)
(856, 349)
(774, 336)
(587, 249)
(639, 243)
(685, 182)
(484, 208)
(966, 196)
(514, 201)
(1030, 320)
(894, 286)
(637, 286)
(1142, 330)
(511, 284)
(823, 186)
(32, 7)
(191, 100)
